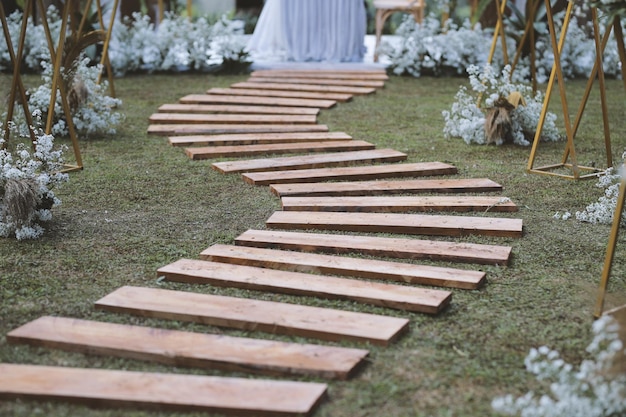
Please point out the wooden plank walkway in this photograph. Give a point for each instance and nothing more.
(216, 129)
(341, 89)
(319, 81)
(310, 161)
(385, 187)
(209, 152)
(400, 204)
(399, 297)
(387, 247)
(236, 109)
(410, 224)
(347, 266)
(332, 74)
(255, 315)
(256, 138)
(268, 94)
(251, 100)
(194, 118)
(196, 350)
(357, 173)
(160, 391)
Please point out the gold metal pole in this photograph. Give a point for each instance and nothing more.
(105, 49)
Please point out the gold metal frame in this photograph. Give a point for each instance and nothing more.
(569, 159)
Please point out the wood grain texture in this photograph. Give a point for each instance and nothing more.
(195, 118)
(310, 161)
(356, 173)
(400, 204)
(256, 138)
(318, 81)
(399, 297)
(401, 248)
(236, 109)
(297, 95)
(255, 315)
(410, 224)
(217, 129)
(277, 148)
(160, 391)
(384, 187)
(198, 350)
(332, 74)
(347, 266)
(342, 89)
(263, 101)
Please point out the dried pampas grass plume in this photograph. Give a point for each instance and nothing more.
(20, 200)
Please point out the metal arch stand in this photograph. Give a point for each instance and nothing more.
(569, 159)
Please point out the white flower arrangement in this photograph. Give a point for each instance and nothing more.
(596, 389)
(27, 180)
(602, 211)
(175, 44)
(430, 49)
(95, 113)
(466, 118)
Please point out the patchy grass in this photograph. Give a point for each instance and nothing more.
(140, 204)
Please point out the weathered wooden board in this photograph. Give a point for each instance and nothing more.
(236, 109)
(220, 274)
(320, 81)
(250, 314)
(383, 187)
(217, 129)
(356, 173)
(310, 161)
(277, 148)
(256, 138)
(198, 350)
(341, 265)
(410, 224)
(388, 247)
(321, 73)
(251, 100)
(160, 391)
(400, 204)
(194, 118)
(312, 95)
(342, 89)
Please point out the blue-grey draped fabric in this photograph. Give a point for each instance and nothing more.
(314, 30)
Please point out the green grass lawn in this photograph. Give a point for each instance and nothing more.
(140, 204)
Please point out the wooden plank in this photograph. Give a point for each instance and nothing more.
(197, 350)
(348, 266)
(320, 81)
(251, 100)
(357, 173)
(256, 138)
(294, 95)
(236, 109)
(384, 187)
(255, 315)
(220, 274)
(388, 247)
(332, 74)
(400, 204)
(410, 224)
(277, 148)
(342, 89)
(217, 129)
(194, 118)
(310, 161)
(160, 391)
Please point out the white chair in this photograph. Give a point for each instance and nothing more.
(385, 8)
